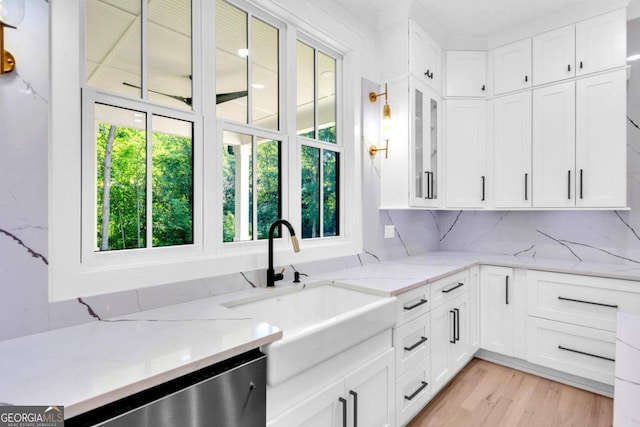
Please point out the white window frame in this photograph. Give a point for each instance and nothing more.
(73, 273)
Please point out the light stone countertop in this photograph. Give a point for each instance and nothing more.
(86, 366)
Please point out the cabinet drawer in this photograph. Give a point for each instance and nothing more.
(413, 391)
(413, 304)
(577, 350)
(446, 289)
(581, 300)
(412, 343)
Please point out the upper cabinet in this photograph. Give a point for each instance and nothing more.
(554, 55)
(425, 57)
(466, 73)
(601, 43)
(512, 67)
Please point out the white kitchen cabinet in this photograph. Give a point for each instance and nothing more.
(465, 152)
(497, 309)
(601, 140)
(512, 151)
(512, 67)
(425, 57)
(466, 73)
(554, 55)
(474, 309)
(426, 134)
(450, 340)
(601, 42)
(364, 397)
(413, 391)
(554, 147)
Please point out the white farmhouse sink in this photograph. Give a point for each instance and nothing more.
(317, 321)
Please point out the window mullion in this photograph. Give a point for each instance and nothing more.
(316, 110)
(144, 86)
(321, 192)
(254, 186)
(249, 71)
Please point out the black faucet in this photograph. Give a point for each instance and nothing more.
(272, 277)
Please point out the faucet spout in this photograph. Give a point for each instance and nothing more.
(272, 277)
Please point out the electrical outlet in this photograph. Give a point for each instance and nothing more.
(389, 231)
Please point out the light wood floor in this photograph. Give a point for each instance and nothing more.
(490, 395)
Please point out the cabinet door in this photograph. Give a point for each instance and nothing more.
(466, 73)
(554, 146)
(512, 67)
(497, 314)
(601, 42)
(474, 309)
(554, 55)
(512, 151)
(459, 353)
(425, 136)
(322, 409)
(601, 140)
(441, 341)
(466, 181)
(370, 393)
(425, 57)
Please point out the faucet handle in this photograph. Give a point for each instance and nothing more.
(278, 276)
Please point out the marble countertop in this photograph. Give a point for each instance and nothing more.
(86, 366)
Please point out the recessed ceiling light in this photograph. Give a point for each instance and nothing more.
(257, 86)
(138, 115)
(633, 57)
(243, 53)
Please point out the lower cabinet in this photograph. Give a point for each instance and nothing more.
(449, 340)
(497, 314)
(362, 398)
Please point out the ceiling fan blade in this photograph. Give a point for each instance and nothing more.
(188, 101)
(224, 97)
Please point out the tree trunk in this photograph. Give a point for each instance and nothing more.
(106, 190)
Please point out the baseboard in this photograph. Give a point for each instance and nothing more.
(551, 374)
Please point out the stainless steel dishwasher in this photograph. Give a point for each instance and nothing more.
(229, 394)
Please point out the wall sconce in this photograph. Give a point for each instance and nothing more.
(11, 15)
(386, 120)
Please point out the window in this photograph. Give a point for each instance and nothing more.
(320, 148)
(176, 143)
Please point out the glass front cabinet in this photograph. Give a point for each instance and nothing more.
(425, 140)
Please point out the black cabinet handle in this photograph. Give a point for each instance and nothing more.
(421, 341)
(526, 186)
(416, 305)
(456, 337)
(429, 74)
(426, 184)
(581, 183)
(586, 354)
(453, 331)
(483, 181)
(588, 302)
(569, 67)
(526, 78)
(482, 88)
(581, 65)
(344, 410)
(431, 186)
(415, 393)
(446, 291)
(569, 185)
(506, 289)
(355, 407)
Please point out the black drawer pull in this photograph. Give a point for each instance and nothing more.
(506, 289)
(415, 393)
(416, 305)
(588, 302)
(456, 337)
(344, 410)
(586, 354)
(355, 407)
(420, 342)
(453, 340)
(446, 291)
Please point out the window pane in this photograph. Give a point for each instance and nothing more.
(237, 166)
(330, 193)
(121, 178)
(310, 194)
(231, 62)
(169, 54)
(172, 182)
(264, 78)
(268, 185)
(326, 98)
(113, 46)
(305, 120)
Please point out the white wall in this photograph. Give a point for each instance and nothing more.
(24, 103)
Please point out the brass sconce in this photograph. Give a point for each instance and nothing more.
(386, 117)
(11, 15)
